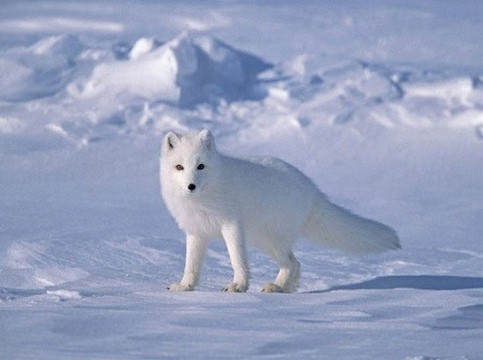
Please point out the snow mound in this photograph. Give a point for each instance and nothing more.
(369, 97)
(40, 70)
(142, 46)
(184, 71)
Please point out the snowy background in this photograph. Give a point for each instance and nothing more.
(380, 103)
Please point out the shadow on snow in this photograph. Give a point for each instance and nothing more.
(421, 282)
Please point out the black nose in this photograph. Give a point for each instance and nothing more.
(191, 187)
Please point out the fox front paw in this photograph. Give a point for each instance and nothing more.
(235, 287)
(180, 287)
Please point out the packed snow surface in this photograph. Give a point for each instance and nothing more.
(380, 103)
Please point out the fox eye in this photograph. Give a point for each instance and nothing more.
(201, 166)
(179, 167)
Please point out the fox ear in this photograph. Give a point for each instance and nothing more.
(170, 141)
(206, 137)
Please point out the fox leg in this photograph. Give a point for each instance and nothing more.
(288, 276)
(195, 252)
(235, 243)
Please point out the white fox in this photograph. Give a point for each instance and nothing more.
(267, 203)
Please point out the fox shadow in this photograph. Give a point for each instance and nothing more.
(420, 282)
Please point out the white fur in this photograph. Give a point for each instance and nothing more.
(266, 203)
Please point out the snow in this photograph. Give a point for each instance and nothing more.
(380, 103)
(183, 71)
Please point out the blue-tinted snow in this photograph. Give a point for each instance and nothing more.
(381, 104)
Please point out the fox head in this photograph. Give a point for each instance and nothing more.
(188, 163)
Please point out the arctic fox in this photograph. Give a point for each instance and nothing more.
(266, 203)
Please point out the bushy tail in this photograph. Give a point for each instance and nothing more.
(339, 229)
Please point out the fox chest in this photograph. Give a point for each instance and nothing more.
(198, 220)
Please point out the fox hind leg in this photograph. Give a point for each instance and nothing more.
(288, 276)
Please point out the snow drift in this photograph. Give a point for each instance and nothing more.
(39, 70)
(184, 71)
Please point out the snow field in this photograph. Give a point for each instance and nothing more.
(381, 105)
